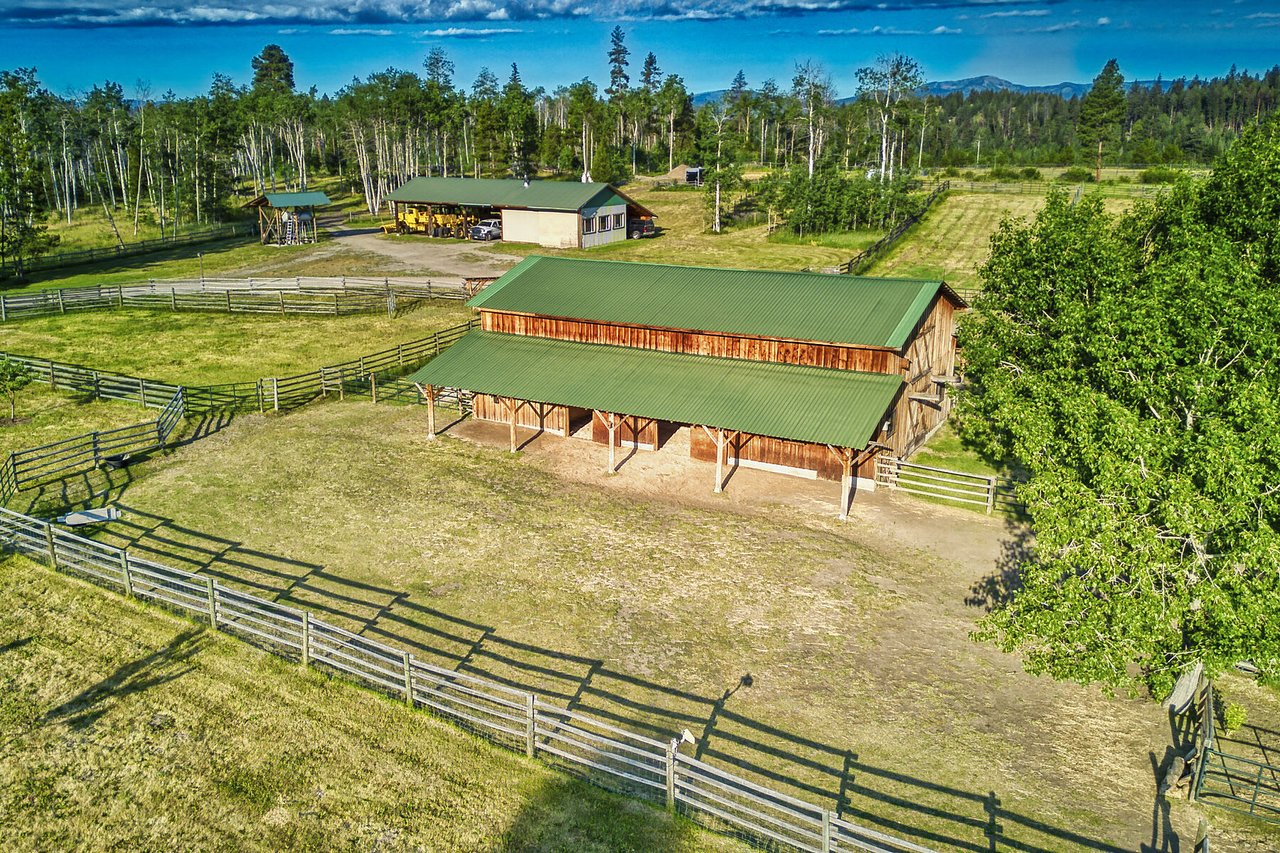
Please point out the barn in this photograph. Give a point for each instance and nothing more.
(556, 214)
(801, 373)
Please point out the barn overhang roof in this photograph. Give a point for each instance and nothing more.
(796, 306)
(815, 404)
(556, 196)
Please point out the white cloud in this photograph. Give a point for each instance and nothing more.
(944, 31)
(345, 31)
(1018, 13)
(470, 32)
(1104, 21)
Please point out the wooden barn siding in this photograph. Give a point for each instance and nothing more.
(700, 343)
(641, 430)
(541, 416)
(929, 352)
(776, 451)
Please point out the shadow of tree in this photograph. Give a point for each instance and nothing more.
(159, 667)
(999, 587)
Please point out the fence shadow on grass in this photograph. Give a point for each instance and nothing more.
(925, 811)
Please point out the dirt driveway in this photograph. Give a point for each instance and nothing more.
(421, 255)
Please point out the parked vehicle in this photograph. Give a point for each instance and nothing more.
(487, 229)
(637, 228)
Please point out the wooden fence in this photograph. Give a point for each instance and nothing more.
(1042, 188)
(990, 493)
(78, 454)
(330, 296)
(58, 260)
(603, 752)
(862, 260)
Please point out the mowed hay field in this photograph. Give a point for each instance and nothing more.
(202, 348)
(832, 661)
(954, 239)
(126, 728)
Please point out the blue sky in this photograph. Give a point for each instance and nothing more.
(179, 44)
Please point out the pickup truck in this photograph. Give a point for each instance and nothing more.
(487, 229)
(637, 228)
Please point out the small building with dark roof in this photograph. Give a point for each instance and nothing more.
(287, 219)
(801, 373)
(556, 214)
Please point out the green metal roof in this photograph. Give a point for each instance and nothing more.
(496, 192)
(310, 199)
(878, 312)
(838, 407)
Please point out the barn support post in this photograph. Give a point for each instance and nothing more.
(511, 409)
(846, 456)
(612, 424)
(719, 440)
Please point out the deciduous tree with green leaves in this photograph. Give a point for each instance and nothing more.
(14, 376)
(1131, 366)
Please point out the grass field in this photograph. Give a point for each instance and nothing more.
(127, 728)
(686, 238)
(954, 239)
(863, 682)
(210, 348)
(45, 416)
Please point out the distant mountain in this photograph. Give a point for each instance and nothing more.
(985, 83)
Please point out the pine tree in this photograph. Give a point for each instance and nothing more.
(1101, 111)
(619, 81)
(272, 71)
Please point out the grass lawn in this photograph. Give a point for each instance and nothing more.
(864, 687)
(127, 728)
(208, 348)
(686, 238)
(946, 450)
(45, 416)
(954, 239)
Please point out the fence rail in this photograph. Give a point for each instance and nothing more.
(1227, 780)
(862, 260)
(359, 377)
(141, 247)
(517, 719)
(989, 492)
(1043, 187)
(297, 295)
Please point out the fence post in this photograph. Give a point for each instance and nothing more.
(142, 391)
(306, 637)
(531, 725)
(96, 392)
(124, 570)
(61, 306)
(826, 831)
(991, 494)
(373, 388)
(120, 295)
(408, 679)
(53, 552)
(281, 294)
(213, 604)
(228, 300)
(173, 298)
(275, 394)
(4, 315)
(671, 774)
(93, 437)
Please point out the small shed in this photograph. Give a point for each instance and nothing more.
(288, 219)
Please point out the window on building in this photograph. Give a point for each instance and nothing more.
(588, 225)
(619, 220)
(604, 222)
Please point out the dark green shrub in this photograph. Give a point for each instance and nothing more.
(1077, 175)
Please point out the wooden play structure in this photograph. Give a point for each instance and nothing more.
(288, 219)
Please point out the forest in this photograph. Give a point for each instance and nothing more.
(187, 161)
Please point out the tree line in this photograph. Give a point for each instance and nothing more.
(188, 161)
